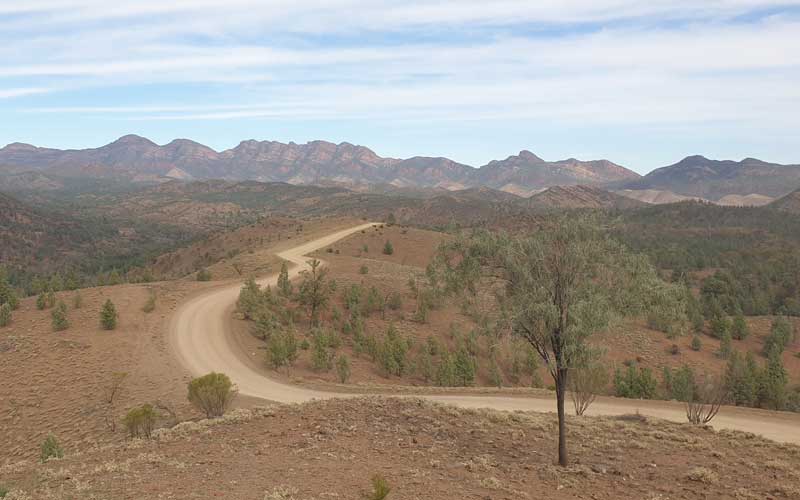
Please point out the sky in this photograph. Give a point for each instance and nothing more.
(643, 84)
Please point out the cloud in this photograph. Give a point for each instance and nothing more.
(22, 92)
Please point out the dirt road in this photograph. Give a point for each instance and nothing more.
(200, 338)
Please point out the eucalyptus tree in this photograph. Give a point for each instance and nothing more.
(555, 288)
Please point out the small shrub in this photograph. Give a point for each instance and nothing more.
(702, 475)
(388, 249)
(395, 301)
(380, 488)
(150, 305)
(45, 300)
(108, 316)
(212, 394)
(3, 491)
(696, 343)
(51, 449)
(59, 317)
(141, 421)
(204, 275)
(674, 349)
(304, 345)
(363, 269)
(343, 369)
(282, 349)
(5, 315)
(77, 300)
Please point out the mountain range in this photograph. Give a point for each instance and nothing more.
(135, 159)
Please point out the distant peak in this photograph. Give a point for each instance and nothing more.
(132, 140)
(527, 155)
(20, 146)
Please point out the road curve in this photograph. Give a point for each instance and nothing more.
(199, 334)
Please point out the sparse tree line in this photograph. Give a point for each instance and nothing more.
(59, 312)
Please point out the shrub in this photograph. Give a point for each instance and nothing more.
(674, 349)
(585, 383)
(140, 421)
(45, 300)
(304, 345)
(150, 305)
(495, 375)
(284, 285)
(51, 449)
(781, 335)
(720, 325)
(3, 491)
(380, 488)
(108, 316)
(696, 343)
(636, 384)
(282, 349)
(363, 269)
(212, 393)
(388, 249)
(446, 371)
(59, 317)
(343, 369)
(739, 329)
(395, 301)
(77, 300)
(204, 275)
(392, 353)
(5, 315)
(321, 357)
(725, 345)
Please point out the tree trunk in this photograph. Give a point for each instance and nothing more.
(561, 386)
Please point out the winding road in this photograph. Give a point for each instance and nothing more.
(200, 336)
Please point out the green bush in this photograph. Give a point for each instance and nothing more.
(45, 300)
(739, 329)
(77, 300)
(282, 349)
(343, 369)
(203, 275)
(140, 422)
(696, 343)
(388, 249)
(635, 384)
(781, 335)
(59, 317)
(212, 394)
(321, 356)
(3, 491)
(380, 488)
(51, 449)
(150, 305)
(395, 302)
(363, 269)
(5, 315)
(108, 316)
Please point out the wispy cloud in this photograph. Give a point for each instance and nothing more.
(614, 62)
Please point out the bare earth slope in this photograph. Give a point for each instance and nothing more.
(200, 337)
(331, 449)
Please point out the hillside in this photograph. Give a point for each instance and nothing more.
(789, 203)
(700, 177)
(137, 159)
(569, 197)
(332, 449)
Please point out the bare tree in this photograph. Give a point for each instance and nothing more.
(555, 288)
(585, 383)
(110, 397)
(706, 399)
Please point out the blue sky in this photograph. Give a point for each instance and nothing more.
(640, 83)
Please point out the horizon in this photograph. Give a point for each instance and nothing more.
(518, 153)
(639, 85)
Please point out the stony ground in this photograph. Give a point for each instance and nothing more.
(332, 449)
